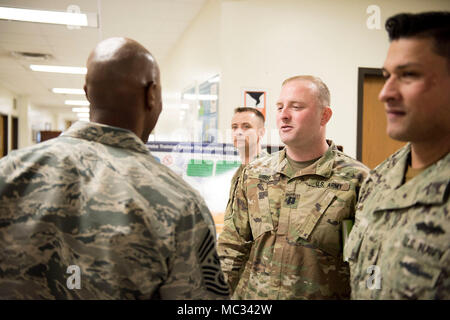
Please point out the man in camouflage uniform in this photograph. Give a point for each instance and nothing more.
(92, 215)
(399, 247)
(247, 130)
(282, 235)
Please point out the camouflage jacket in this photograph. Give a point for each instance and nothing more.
(399, 247)
(237, 174)
(92, 215)
(282, 235)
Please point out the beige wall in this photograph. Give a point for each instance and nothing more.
(30, 118)
(259, 43)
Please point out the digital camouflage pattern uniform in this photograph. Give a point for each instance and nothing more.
(403, 230)
(96, 198)
(282, 236)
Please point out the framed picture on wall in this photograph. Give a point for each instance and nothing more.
(255, 98)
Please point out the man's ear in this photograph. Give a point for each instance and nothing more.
(326, 116)
(86, 92)
(150, 95)
(261, 132)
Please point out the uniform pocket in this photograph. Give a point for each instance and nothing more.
(416, 269)
(309, 222)
(259, 208)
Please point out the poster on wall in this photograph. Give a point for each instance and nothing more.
(207, 167)
(208, 96)
(255, 98)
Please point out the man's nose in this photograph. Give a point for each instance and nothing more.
(284, 113)
(389, 90)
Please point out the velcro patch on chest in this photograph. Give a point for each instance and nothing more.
(291, 200)
(341, 186)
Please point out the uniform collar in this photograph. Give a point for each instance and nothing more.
(322, 167)
(429, 187)
(104, 134)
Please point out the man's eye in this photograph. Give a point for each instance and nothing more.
(409, 74)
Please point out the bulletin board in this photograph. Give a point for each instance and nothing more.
(207, 167)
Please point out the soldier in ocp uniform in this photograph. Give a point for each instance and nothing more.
(92, 215)
(399, 247)
(282, 231)
(247, 130)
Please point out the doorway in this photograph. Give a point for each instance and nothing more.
(15, 133)
(373, 145)
(3, 135)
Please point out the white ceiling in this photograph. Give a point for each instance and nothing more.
(156, 24)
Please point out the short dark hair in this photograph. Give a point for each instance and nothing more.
(250, 109)
(433, 24)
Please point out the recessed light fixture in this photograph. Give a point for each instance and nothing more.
(80, 110)
(83, 115)
(68, 91)
(44, 16)
(76, 102)
(58, 69)
(202, 97)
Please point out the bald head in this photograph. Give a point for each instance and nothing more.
(123, 86)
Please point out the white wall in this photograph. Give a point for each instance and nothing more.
(30, 118)
(194, 59)
(259, 43)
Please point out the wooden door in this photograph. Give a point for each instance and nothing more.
(3, 135)
(15, 133)
(374, 144)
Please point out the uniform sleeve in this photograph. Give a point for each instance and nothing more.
(235, 240)
(194, 269)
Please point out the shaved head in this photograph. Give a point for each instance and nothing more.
(123, 86)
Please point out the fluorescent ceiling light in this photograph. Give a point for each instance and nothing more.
(83, 115)
(77, 102)
(68, 91)
(189, 96)
(214, 80)
(80, 109)
(58, 69)
(43, 16)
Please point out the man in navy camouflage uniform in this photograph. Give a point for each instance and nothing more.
(399, 247)
(92, 215)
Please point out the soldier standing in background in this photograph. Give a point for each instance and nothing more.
(95, 204)
(282, 234)
(399, 247)
(247, 129)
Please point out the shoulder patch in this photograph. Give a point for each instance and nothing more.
(210, 267)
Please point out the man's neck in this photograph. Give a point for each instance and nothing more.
(307, 153)
(424, 154)
(249, 154)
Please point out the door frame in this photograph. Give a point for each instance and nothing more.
(362, 72)
(4, 118)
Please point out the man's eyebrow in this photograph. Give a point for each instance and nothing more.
(403, 66)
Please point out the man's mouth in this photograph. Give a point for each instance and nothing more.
(285, 128)
(394, 113)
